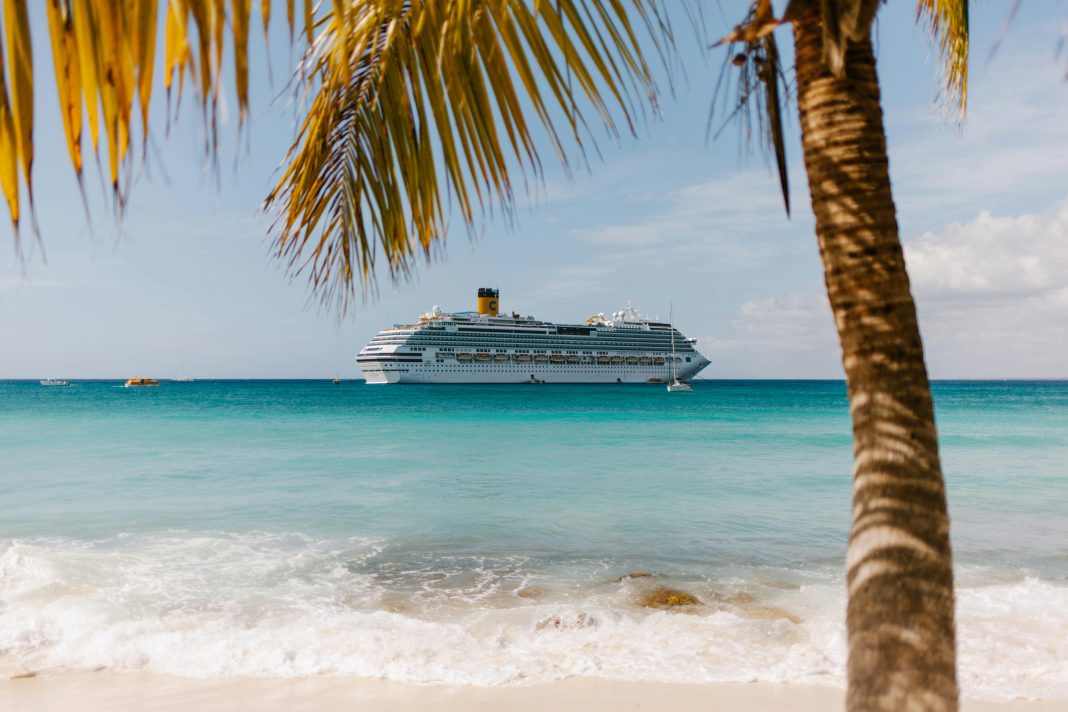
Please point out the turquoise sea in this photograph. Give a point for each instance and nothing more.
(486, 535)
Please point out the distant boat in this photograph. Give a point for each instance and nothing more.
(181, 377)
(677, 385)
(337, 379)
(54, 382)
(132, 382)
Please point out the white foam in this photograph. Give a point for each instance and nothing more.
(284, 605)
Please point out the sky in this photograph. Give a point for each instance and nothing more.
(667, 219)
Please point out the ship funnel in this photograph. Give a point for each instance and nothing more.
(488, 303)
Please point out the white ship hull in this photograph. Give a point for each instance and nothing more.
(522, 373)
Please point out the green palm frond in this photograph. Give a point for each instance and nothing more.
(422, 107)
(948, 21)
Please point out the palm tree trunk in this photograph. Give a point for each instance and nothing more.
(902, 651)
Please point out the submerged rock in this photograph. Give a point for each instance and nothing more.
(634, 575)
(531, 592)
(668, 598)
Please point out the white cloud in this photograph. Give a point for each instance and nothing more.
(992, 297)
(992, 294)
(789, 335)
(1025, 255)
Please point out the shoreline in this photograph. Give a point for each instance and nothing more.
(132, 692)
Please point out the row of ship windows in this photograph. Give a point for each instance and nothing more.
(662, 336)
(526, 367)
(527, 337)
(551, 345)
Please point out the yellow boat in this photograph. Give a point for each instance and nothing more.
(141, 382)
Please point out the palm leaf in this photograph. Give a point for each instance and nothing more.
(424, 107)
(948, 21)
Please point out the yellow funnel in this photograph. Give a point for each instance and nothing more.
(488, 301)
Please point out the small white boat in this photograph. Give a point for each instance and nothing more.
(54, 382)
(677, 385)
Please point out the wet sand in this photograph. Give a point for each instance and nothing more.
(134, 692)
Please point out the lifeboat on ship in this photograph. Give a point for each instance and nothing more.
(617, 359)
(541, 358)
(556, 358)
(632, 359)
(573, 359)
(522, 358)
(464, 357)
(645, 360)
(659, 361)
(602, 360)
(501, 357)
(483, 357)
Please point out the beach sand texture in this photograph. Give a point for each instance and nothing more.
(142, 691)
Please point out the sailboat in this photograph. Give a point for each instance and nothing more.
(677, 385)
(180, 377)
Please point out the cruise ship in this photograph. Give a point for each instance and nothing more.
(485, 346)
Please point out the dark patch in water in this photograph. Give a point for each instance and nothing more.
(666, 598)
(634, 575)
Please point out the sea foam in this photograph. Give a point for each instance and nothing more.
(212, 604)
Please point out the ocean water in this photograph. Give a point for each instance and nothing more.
(492, 535)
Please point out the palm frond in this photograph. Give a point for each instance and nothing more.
(948, 22)
(420, 107)
(103, 53)
(760, 90)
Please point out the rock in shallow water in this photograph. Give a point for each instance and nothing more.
(667, 598)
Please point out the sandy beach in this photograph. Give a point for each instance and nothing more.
(140, 691)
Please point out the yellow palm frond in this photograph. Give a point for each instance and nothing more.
(103, 53)
(948, 21)
(20, 63)
(424, 106)
(9, 153)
